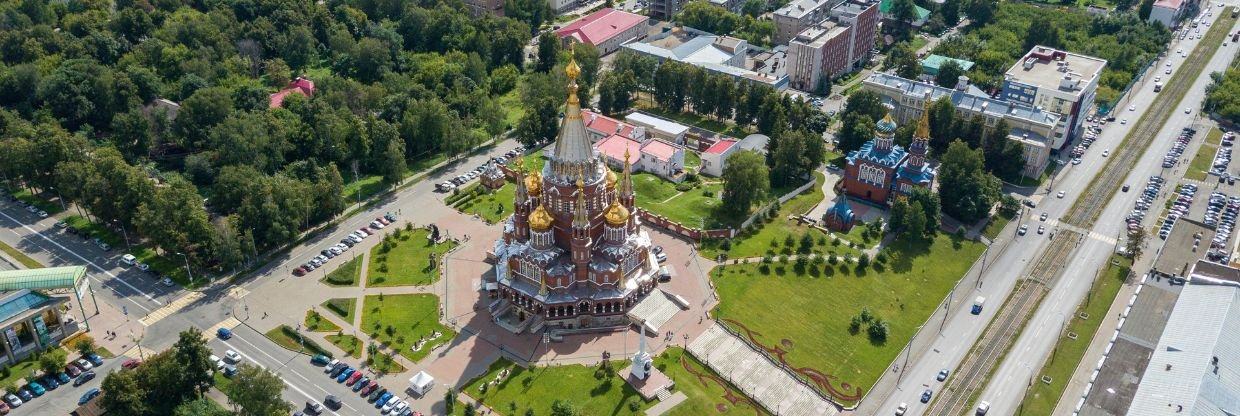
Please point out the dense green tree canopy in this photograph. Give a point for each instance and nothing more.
(968, 191)
(746, 181)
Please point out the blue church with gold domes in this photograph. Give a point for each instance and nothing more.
(881, 170)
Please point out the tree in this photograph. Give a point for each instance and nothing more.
(746, 181)
(200, 407)
(532, 12)
(202, 111)
(942, 124)
(951, 12)
(564, 408)
(256, 391)
(193, 355)
(897, 220)
(787, 159)
(930, 205)
(616, 91)
(903, 59)
(1042, 32)
(856, 129)
(126, 395)
(1136, 240)
(949, 74)
(703, 15)
(53, 360)
(969, 191)
(981, 11)
(548, 51)
(916, 222)
(753, 8)
(84, 345)
(904, 12)
(539, 123)
(1147, 6)
(823, 88)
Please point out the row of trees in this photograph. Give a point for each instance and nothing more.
(396, 83)
(1223, 95)
(1125, 40)
(175, 381)
(706, 16)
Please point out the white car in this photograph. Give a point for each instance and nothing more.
(1132, 107)
(901, 409)
(1168, 71)
(128, 260)
(167, 282)
(218, 363)
(387, 407)
(1106, 152)
(85, 365)
(231, 355)
(399, 407)
(331, 366)
(143, 266)
(1124, 121)
(1188, 110)
(1061, 194)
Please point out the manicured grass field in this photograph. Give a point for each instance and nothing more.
(21, 257)
(317, 323)
(704, 395)
(342, 307)
(1041, 398)
(692, 160)
(363, 188)
(345, 275)
(1205, 156)
(288, 338)
(771, 236)
(491, 206)
(812, 319)
(399, 321)
(347, 343)
(534, 161)
(17, 373)
(384, 363)
(407, 262)
(539, 387)
(692, 208)
(512, 105)
(996, 225)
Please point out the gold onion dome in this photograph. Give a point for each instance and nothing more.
(540, 219)
(611, 177)
(572, 70)
(616, 215)
(533, 182)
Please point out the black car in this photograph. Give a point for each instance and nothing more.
(375, 396)
(332, 402)
(85, 377)
(390, 217)
(339, 369)
(347, 242)
(50, 382)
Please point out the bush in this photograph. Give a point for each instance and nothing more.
(84, 345)
(634, 405)
(864, 260)
(854, 326)
(878, 331)
(726, 245)
(789, 241)
(866, 315)
(708, 194)
(684, 187)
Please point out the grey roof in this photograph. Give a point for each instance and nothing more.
(1181, 377)
(754, 142)
(798, 9)
(978, 103)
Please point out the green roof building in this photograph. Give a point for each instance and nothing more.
(884, 9)
(932, 63)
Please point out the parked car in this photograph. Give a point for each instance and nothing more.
(232, 356)
(925, 396)
(95, 359)
(35, 388)
(943, 374)
(319, 359)
(85, 377)
(13, 401)
(63, 378)
(332, 402)
(85, 365)
(361, 384)
(50, 382)
(224, 333)
(370, 389)
(90, 395)
(131, 364)
(345, 375)
(300, 271)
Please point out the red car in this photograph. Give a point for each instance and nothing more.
(369, 389)
(72, 370)
(300, 271)
(131, 364)
(383, 220)
(4, 408)
(366, 230)
(357, 375)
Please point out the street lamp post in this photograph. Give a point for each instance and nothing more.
(187, 270)
(123, 232)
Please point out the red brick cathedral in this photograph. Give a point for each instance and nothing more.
(881, 170)
(572, 255)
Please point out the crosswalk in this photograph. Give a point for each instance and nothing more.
(1094, 235)
(229, 323)
(170, 308)
(238, 292)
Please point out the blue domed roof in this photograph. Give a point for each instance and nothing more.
(842, 209)
(886, 126)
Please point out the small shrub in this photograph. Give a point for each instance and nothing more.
(634, 405)
(789, 241)
(708, 194)
(684, 187)
(866, 315)
(864, 260)
(878, 331)
(726, 245)
(835, 242)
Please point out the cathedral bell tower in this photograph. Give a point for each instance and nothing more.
(921, 139)
(521, 206)
(581, 243)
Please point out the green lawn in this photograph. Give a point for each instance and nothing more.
(691, 208)
(1041, 398)
(317, 323)
(342, 307)
(21, 257)
(692, 160)
(399, 321)
(704, 394)
(1205, 156)
(816, 306)
(16, 374)
(345, 275)
(534, 161)
(917, 43)
(221, 382)
(288, 338)
(384, 363)
(363, 188)
(347, 343)
(771, 234)
(407, 262)
(592, 392)
(512, 105)
(995, 225)
(32, 199)
(836, 159)
(492, 207)
(1046, 174)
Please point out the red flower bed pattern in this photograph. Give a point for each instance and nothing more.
(823, 381)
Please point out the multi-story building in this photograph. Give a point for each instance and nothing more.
(717, 54)
(606, 29)
(479, 7)
(733, 6)
(799, 15)
(665, 9)
(1057, 81)
(1037, 130)
(1169, 12)
(833, 47)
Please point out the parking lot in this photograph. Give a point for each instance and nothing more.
(467, 177)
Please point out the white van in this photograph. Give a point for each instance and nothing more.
(982, 408)
(128, 259)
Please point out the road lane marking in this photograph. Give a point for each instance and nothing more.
(171, 308)
(229, 323)
(66, 249)
(260, 350)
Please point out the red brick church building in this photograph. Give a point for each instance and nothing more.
(882, 170)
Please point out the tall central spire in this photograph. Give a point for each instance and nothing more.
(573, 152)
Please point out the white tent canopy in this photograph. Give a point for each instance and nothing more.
(421, 383)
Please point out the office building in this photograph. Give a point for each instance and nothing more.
(1057, 81)
(834, 47)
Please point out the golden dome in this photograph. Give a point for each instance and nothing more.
(611, 177)
(540, 219)
(572, 70)
(616, 214)
(533, 182)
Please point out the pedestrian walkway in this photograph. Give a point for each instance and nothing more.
(757, 376)
(170, 308)
(229, 323)
(665, 405)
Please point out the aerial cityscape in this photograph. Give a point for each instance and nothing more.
(619, 207)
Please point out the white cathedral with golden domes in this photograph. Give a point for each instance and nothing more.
(573, 254)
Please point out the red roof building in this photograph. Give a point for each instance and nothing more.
(300, 85)
(606, 29)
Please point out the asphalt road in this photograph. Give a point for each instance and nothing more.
(1007, 386)
(957, 335)
(64, 399)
